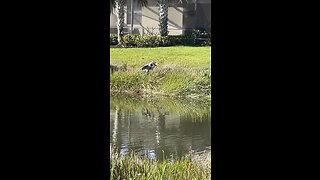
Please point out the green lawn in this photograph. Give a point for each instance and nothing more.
(181, 71)
(196, 57)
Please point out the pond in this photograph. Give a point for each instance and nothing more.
(159, 127)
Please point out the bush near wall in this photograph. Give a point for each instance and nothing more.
(134, 40)
(113, 39)
(191, 38)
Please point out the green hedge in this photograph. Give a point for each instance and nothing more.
(113, 39)
(191, 38)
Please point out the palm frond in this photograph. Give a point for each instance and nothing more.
(142, 3)
(112, 5)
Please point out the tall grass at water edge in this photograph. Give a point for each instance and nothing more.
(137, 167)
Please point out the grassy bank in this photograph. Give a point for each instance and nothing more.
(181, 71)
(136, 167)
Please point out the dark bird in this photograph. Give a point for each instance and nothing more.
(149, 67)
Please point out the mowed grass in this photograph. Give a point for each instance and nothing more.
(135, 167)
(181, 71)
(195, 57)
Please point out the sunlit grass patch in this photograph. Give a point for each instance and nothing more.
(197, 57)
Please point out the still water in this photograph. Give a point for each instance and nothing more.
(159, 127)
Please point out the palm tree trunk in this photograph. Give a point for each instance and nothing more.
(163, 17)
(119, 4)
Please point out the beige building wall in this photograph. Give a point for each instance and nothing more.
(175, 20)
(150, 20)
(113, 20)
(113, 23)
(180, 17)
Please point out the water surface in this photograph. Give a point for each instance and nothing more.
(159, 127)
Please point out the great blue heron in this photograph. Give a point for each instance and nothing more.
(150, 66)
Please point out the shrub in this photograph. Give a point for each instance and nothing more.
(130, 40)
(152, 41)
(192, 37)
(113, 39)
(147, 41)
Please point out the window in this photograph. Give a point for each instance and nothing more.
(137, 13)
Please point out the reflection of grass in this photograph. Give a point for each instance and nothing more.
(181, 71)
(189, 109)
(135, 167)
